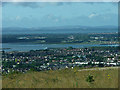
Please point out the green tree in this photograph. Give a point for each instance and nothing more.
(70, 47)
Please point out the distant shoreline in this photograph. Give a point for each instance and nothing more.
(28, 47)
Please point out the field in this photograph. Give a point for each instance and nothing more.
(67, 78)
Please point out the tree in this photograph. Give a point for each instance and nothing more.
(90, 63)
(115, 61)
(76, 57)
(70, 47)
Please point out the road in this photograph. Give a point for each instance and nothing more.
(105, 68)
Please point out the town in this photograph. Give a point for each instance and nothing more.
(59, 58)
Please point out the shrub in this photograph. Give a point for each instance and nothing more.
(89, 78)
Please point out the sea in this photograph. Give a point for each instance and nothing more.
(8, 47)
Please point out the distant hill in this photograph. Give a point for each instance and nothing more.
(62, 29)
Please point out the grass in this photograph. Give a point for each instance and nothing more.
(67, 78)
(0, 81)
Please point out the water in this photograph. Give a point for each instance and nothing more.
(27, 47)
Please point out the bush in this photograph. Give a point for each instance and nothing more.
(89, 78)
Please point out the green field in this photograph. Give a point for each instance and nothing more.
(67, 78)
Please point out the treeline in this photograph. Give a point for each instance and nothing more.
(58, 38)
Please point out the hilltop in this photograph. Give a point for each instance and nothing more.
(60, 29)
(66, 78)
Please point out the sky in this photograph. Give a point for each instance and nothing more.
(58, 14)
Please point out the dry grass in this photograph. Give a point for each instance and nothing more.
(67, 78)
(0, 82)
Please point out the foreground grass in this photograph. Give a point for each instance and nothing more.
(0, 81)
(67, 78)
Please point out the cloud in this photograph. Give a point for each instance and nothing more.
(56, 20)
(24, 4)
(53, 20)
(61, 0)
(28, 4)
(4, 3)
(18, 18)
(44, 4)
(51, 17)
(36, 4)
(92, 15)
(56, 3)
(103, 2)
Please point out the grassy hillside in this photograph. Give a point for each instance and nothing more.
(67, 78)
(0, 82)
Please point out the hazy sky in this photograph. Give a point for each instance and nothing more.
(44, 14)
